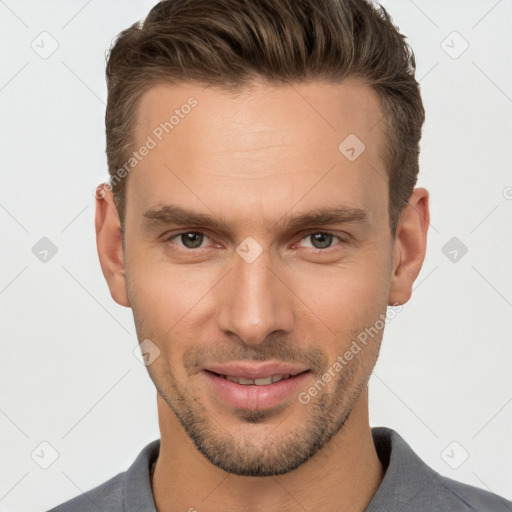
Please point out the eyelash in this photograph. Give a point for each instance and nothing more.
(308, 234)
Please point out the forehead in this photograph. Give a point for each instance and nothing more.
(265, 145)
(324, 110)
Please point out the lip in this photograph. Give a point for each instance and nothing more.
(253, 397)
(252, 371)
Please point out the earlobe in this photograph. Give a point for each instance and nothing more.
(410, 246)
(109, 244)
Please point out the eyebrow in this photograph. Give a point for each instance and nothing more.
(170, 214)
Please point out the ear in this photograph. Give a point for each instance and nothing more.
(410, 246)
(109, 244)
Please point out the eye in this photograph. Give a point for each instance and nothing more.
(194, 240)
(189, 239)
(320, 240)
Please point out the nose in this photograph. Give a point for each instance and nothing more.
(255, 301)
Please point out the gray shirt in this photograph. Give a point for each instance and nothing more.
(409, 485)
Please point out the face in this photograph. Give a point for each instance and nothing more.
(256, 248)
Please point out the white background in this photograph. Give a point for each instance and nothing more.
(68, 374)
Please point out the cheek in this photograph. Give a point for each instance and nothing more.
(165, 297)
(161, 286)
(345, 297)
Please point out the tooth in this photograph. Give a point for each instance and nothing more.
(258, 382)
(263, 382)
(246, 382)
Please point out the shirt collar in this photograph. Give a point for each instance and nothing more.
(406, 475)
(137, 494)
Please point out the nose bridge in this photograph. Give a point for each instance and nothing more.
(254, 302)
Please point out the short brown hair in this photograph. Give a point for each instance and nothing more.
(228, 43)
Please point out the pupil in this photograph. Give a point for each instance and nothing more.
(321, 240)
(192, 240)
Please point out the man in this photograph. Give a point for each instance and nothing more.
(261, 215)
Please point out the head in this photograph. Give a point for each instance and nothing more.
(263, 157)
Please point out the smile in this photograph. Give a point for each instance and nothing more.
(265, 381)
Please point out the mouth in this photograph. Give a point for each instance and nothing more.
(262, 381)
(257, 393)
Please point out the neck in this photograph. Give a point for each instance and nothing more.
(342, 476)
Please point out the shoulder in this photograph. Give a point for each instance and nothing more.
(469, 498)
(410, 485)
(106, 497)
(129, 491)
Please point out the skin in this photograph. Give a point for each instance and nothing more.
(253, 159)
